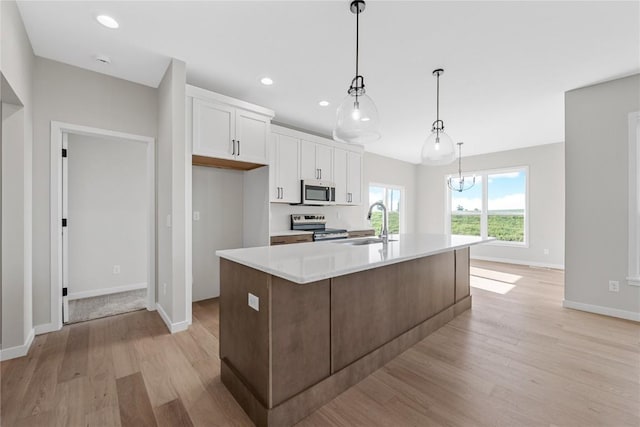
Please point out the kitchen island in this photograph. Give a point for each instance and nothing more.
(299, 324)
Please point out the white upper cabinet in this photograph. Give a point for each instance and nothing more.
(354, 178)
(213, 129)
(340, 159)
(297, 155)
(252, 132)
(347, 173)
(316, 161)
(285, 173)
(226, 128)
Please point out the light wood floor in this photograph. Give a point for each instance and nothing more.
(516, 358)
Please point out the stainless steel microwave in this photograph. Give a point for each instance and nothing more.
(318, 192)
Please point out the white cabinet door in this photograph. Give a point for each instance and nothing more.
(354, 179)
(316, 161)
(324, 162)
(251, 137)
(308, 168)
(274, 185)
(288, 177)
(213, 129)
(340, 175)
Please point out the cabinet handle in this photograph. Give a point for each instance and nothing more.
(238, 147)
(233, 145)
(278, 195)
(282, 192)
(320, 173)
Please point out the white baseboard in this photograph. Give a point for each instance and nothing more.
(518, 262)
(46, 328)
(19, 350)
(598, 309)
(106, 291)
(173, 327)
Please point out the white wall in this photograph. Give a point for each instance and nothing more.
(17, 62)
(218, 199)
(108, 218)
(597, 153)
(174, 297)
(73, 95)
(376, 169)
(546, 202)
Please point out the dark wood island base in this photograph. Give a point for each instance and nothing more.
(307, 343)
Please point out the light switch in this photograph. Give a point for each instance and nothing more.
(254, 302)
(196, 215)
(169, 220)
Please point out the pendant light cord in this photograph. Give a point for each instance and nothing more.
(357, 37)
(438, 98)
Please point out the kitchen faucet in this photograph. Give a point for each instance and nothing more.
(384, 233)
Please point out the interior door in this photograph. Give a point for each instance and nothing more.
(106, 226)
(65, 231)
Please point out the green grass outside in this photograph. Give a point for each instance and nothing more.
(394, 222)
(507, 228)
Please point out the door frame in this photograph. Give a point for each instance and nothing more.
(58, 129)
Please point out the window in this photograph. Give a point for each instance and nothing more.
(496, 206)
(393, 199)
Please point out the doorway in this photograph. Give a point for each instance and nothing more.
(104, 231)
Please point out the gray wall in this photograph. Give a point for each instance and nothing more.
(17, 63)
(73, 95)
(597, 144)
(108, 213)
(218, 199)
(173, 296)
(546, 202)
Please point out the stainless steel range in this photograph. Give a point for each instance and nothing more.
(317, 223)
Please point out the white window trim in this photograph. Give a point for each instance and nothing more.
(485, 198)
(634, 199)
(402, 226)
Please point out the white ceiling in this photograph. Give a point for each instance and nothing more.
(507, 64)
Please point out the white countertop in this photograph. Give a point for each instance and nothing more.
(309, 262)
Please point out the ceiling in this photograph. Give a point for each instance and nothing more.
(507, 64)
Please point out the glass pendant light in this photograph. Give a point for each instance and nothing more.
(438, 149)
(460, 183)
(357, 116)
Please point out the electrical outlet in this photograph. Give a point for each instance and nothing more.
(196, 215)
(116, 269)
(546, 251)
(614, 286)
(254, 302)
(164, 289)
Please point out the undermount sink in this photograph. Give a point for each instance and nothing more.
(362, 242)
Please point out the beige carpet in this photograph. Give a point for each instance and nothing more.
(106, 305)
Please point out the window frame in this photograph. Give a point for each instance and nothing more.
(401, 206)
(484, 215)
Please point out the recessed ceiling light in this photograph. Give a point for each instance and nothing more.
(107, 21)
(266, 81)
(323, 103)
(104, 59)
